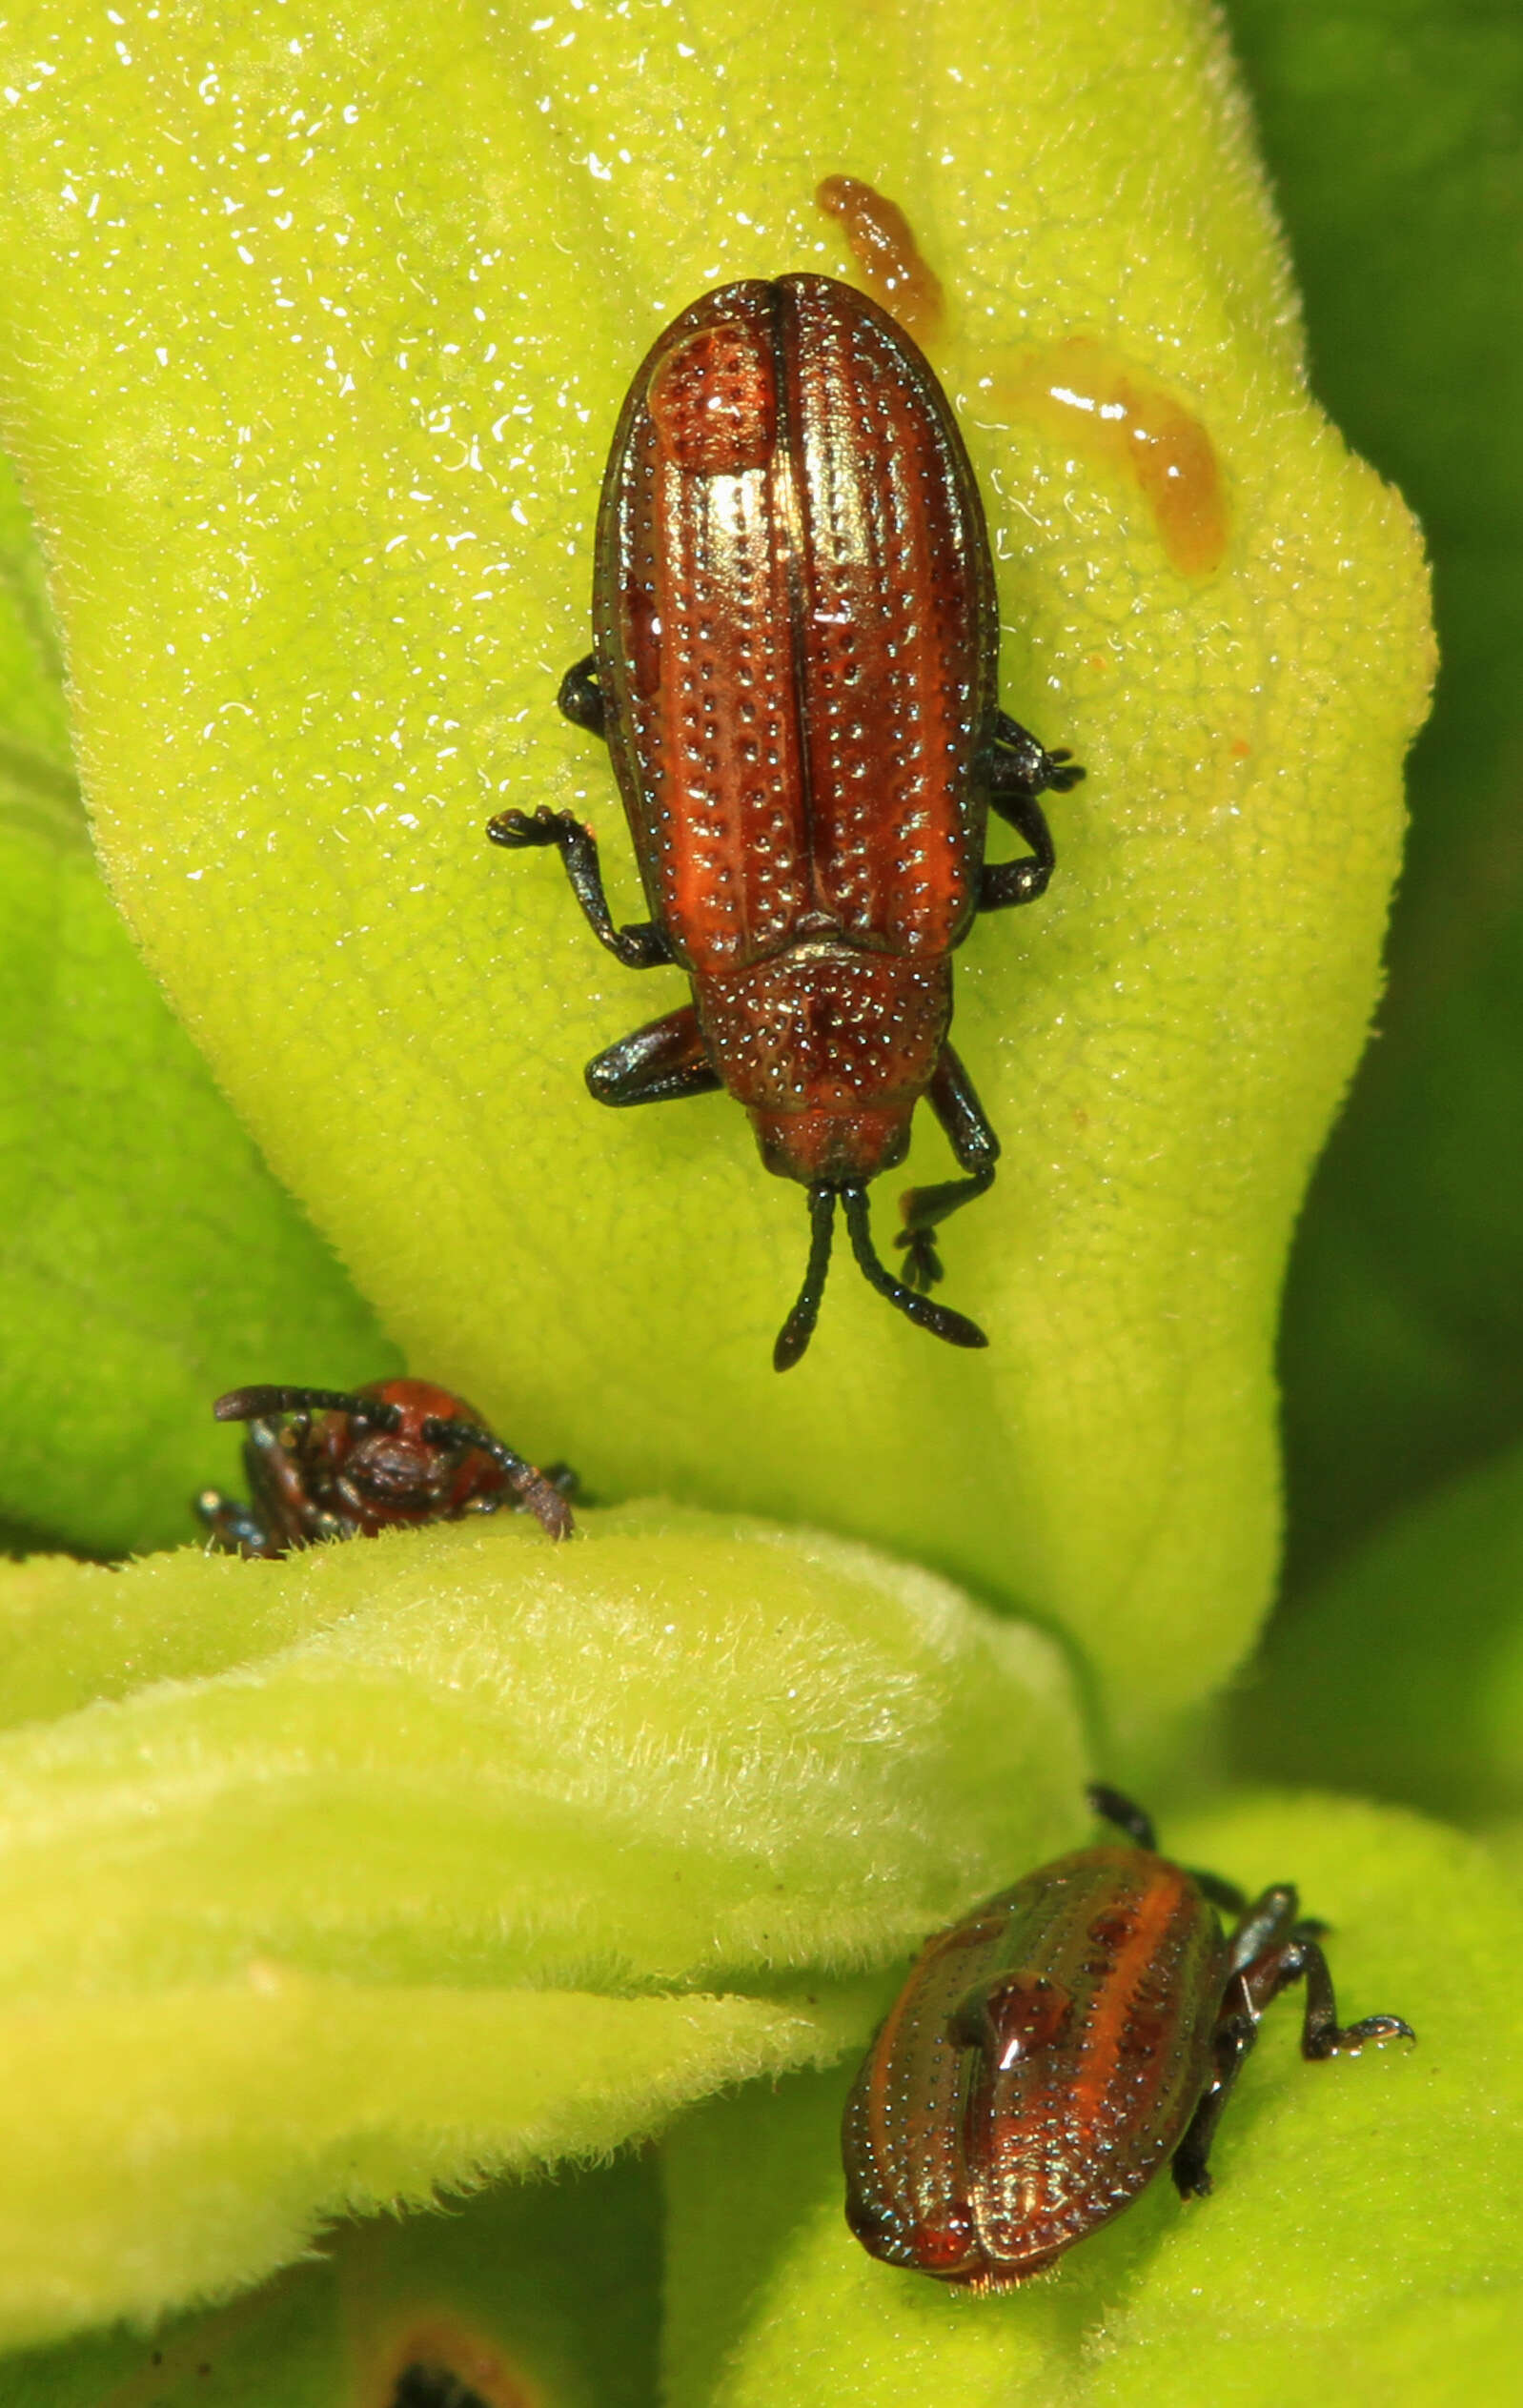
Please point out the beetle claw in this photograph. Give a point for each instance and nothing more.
(518, 828)
(922, 1265)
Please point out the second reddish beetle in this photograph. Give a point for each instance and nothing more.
(1051, 2054)
(797, 643)
(378, 1458)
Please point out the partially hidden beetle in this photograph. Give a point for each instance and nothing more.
(795, 668)
(340, 1463)
(1049, 2052)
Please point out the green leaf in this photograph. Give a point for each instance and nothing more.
(493, 2295)
(1394, 132)
(1365, 2236)
(316, 432)
(1401, 1672)
(391, 1863)
(418, 1863)
(148, 1260)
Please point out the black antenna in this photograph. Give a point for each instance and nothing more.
(249, 1405)
(536, 1494)
(798, 1329)
(939, 1319)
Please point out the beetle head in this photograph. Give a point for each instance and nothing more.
(832, 1149)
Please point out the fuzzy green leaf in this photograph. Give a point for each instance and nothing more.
(491, 2295)
(457, 1850)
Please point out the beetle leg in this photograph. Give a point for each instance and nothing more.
(954, 1101)
(1267, 1956)
(642, 947)
(1235, 2034)
(1019, 771)
(1225, 1894)
(1261, 1936)
(279, 1494)
(1321, 2033)
(655, 1064)
(1268, 1929)
(581, 698)
(1126, 1816)
(1270, 1949)
(1001, 884)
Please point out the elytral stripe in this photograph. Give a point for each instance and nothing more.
(1151, 1945)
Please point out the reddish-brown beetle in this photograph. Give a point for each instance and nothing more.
(380, 1458)
(796, 657)
(1048, 2054)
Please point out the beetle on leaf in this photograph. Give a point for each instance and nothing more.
(1053, 2050)
(342, 1463)
(795, 669)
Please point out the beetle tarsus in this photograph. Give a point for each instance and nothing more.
(232, 1528)
(1352, 2036)
(923, 1208)
(939, 1319)
(798, 1329)
(1021, 765)
(580, 697)
(518, 830)
(1061, 772)
(1322, 2035)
